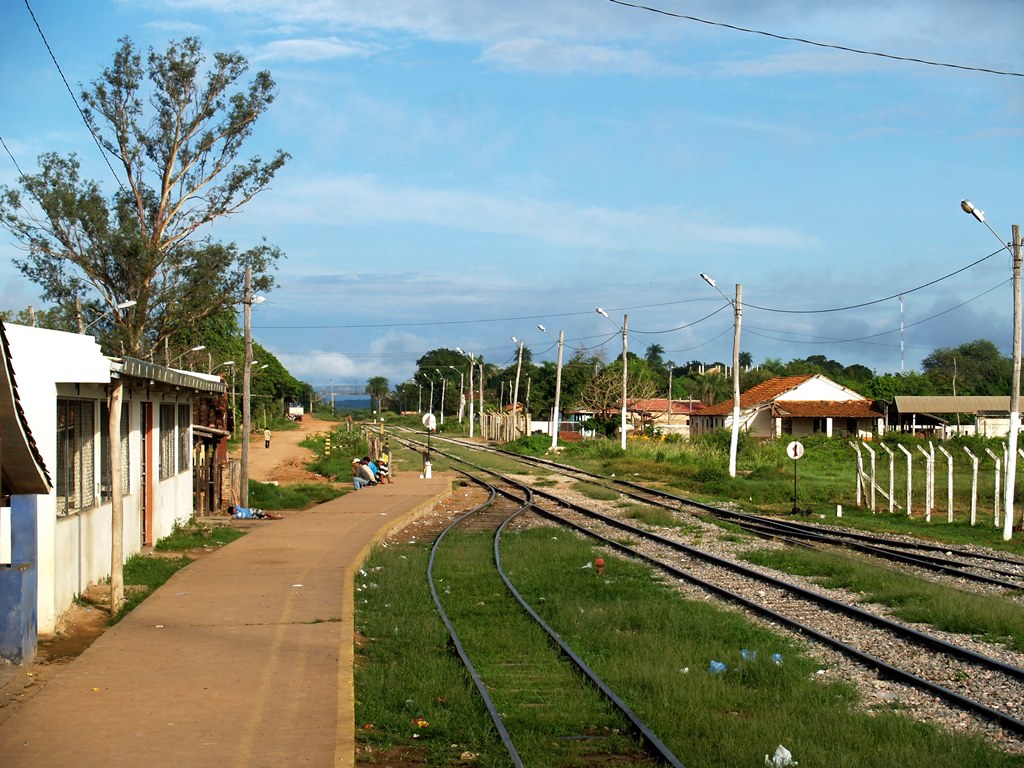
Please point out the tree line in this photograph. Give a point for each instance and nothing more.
(591, 383)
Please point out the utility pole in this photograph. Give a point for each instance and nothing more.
(243, 475)
(1011, 454)
(625, 376)
(734, 439)
(558, 391)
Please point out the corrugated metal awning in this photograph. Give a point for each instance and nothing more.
(141, 369)
(951, 404)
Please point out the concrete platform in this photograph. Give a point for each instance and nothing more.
(244, 658)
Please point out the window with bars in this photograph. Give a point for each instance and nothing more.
(184, 438)
(166, 440)
(76, 456)
(105, 484)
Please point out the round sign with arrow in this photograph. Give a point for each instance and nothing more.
(430, 421)
(795, 450)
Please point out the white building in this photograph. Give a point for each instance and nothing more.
(62, 381)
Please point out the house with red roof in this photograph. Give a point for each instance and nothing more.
(796, 405)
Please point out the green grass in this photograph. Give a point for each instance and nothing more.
(698, 469)
(195, 534)
(149, 572)
(268, 496)
(649, 644)
(596, 492)
(911, 598)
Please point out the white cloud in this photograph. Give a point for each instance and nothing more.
(558, 56)
(314, 50)
(362, 200)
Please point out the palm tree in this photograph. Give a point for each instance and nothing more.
(653, 356)
(377, 386)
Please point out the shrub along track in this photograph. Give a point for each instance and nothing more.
(989, 688)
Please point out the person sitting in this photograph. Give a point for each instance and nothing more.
(373, 468)
(384, 466)
(246, 513)
(361, 475)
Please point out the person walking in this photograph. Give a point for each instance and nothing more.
(266, 438)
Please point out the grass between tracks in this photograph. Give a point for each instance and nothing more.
(650, 645)
(994, 618)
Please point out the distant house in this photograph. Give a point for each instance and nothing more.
(796, 405)
(669, 417)
(62, 382)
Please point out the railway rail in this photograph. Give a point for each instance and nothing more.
(990, 688)
(524, 500)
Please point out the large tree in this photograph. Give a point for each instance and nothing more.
(974, 368)
(173, 128)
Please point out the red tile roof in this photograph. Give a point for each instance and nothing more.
(819, 409)
(760, 394)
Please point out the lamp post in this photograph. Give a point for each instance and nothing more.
(200, 348)
(737, 306)
(122, 305)
(1011, 453)
(462, 391)
(625, 371)
(444, 383)
(556, 417)
(472, 363)
(515, 392)
(248, 300)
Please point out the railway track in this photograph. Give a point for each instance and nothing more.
(489, 517)
(966, 564)
(988, 687)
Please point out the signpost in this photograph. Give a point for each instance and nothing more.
(795, 450)
(430, 423)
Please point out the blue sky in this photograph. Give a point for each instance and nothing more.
(464, 170)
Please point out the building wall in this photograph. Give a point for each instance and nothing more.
(819, 389)
(74, 549)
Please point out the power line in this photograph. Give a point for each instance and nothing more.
(817, 339)
(805, 41)
(95, 138)
(896, 295)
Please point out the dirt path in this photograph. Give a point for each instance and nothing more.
(285, 460)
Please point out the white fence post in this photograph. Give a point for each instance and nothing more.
(860, 473)
(927, 484)
(974, 486)
(910, 475)
(949, 484)
(870, 451)
(999, 477)
(892, 475)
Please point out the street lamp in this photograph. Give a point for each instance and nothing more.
(625, 372)
(556, 418)
(472, 363)
(515, 396)
(462, 391)
(122, 305)
(200, 348)
(737, 306)
(248, 302)
(444, 383)
(1011, 454)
